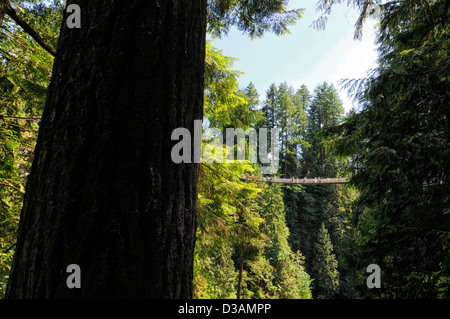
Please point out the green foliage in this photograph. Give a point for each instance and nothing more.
(225, 223)
(367, 8)
(25, 70)
(400, 146)
(242, 248)
(222, 95)
(301, 117)
(291, 280)
(284, 108)
(310, 207)
(229, 221)
(271, 241)
(251, 17)
(214, 271)
(325, 266)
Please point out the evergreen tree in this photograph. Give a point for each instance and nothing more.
(324, 111)
(399, 141)
(293, 162)
(232, 220)
(269, 109)
(95, 164)
(228, 231)
(326, 283)
(304, 95)
(252, 97)
(319, 205)
(290, 278)
(215, 276)
(223, 100)
(299, 122)
(291, 122)
(251, 17)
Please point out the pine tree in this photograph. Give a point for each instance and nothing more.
(293, 162)
(326, 280)
(304, 95)
(290, 278)
(215, 275)
(252, 96)
(317, 205)
(269, 108)
(285, 121)
(399, 141)
(324, 111)
(223, 99)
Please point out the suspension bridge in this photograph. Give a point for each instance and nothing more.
(293, 180)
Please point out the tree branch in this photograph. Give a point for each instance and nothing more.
(14, 245)
(12, 186)
(5, 8)
(20, 118)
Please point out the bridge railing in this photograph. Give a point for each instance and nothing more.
(323, 180)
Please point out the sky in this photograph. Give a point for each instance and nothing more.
(307, 55)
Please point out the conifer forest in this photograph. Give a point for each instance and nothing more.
(116, 133)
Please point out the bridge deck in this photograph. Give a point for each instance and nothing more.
(303, 181)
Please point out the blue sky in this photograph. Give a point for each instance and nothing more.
(306, 56)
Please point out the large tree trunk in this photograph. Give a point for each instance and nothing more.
(103, 191)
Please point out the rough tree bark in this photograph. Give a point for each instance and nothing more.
(103, 192)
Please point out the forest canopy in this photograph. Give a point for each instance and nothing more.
(258, 240)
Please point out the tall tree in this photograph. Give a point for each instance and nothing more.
(284, 109)
(325, 266)
(290, 278)
(103, 192)
(293, 124)
(324, 111)
(400, 142)
(269, 108)
(225, 227)
(222, 95)
(317, 204)
(284, 115)
(253, 96)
